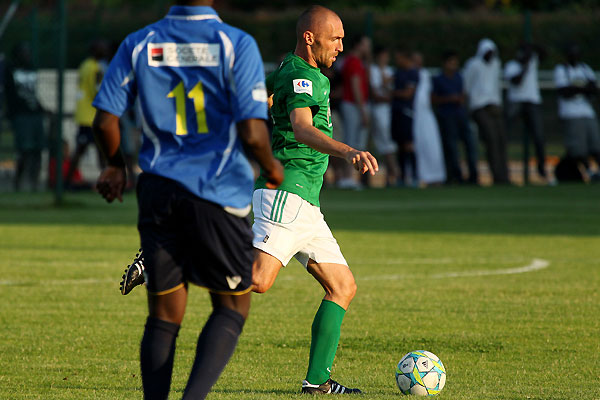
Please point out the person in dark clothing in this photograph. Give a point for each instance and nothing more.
(26, 114)
(406, 79)
(449, 97)
(524, 98)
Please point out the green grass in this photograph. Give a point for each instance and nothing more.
(67, 333)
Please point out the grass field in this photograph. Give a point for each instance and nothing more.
(501, 283)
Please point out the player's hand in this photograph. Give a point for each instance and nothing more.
(274, 175)
(362, 161)
(111, 183)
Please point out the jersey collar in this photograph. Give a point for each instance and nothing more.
(192, 13)
(302, 60)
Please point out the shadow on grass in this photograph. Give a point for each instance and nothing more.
(535, 210)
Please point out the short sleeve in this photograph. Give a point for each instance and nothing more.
(512, 69)
(560, 77)
(300, 88)
(249, 98)
(118, 89)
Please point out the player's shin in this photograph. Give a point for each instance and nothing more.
(215, 347)
(326, 329)
(156, 356)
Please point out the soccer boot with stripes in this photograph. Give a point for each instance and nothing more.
(329, 387)
(134, 274)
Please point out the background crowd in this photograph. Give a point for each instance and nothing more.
(417, 122)
(425, 125)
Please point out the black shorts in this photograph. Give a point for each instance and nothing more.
(187, 239)
(85, 136)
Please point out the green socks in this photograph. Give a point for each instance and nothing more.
(325, 337)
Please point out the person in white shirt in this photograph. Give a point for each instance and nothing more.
(381, 78)
(524, 99)
(576, 83)
(428, 144)
(482, 85)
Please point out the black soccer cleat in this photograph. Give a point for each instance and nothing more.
(329, 387)
(134, 274)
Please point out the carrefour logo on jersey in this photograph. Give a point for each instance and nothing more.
(183, 54)
(303, 86)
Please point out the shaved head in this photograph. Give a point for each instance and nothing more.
(319, 34)
(312, 19)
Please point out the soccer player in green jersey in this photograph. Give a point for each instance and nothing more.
(288, 222)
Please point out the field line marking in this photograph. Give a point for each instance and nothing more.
(56, 282)
(535, 265)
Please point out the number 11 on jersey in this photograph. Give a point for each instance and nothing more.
(197, 97)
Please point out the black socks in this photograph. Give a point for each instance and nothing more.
(156, 356)
(215, 347)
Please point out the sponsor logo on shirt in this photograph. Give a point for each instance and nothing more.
(156, 54)
(183, 54)
(303, 86)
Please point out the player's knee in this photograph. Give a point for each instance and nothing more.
(351, 289)
(345, 289)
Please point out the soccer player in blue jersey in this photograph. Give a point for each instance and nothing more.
(197, 80)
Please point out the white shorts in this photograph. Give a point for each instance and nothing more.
(286, 226)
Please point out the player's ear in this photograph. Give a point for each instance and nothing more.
(309, 38)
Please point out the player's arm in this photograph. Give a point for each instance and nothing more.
(305, 132)
(111, 182)
(406, 93)
(255, 136)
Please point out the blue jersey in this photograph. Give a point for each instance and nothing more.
(195, 77)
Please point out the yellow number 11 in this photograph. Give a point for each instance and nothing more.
(197, 96)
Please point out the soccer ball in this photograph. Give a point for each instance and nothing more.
(420, 372)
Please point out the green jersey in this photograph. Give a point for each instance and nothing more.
(297, 84)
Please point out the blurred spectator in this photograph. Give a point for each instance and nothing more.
(26, 116)
(428, 146)
(381, 78)
(406, 79)
(337, 164)
(448, 94)
(355, 105)
(2, 99)
(576, 83)
(524, 99)
(77, 181)
(482, 84)
(91, 72)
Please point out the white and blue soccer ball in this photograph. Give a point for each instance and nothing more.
(420, 372)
